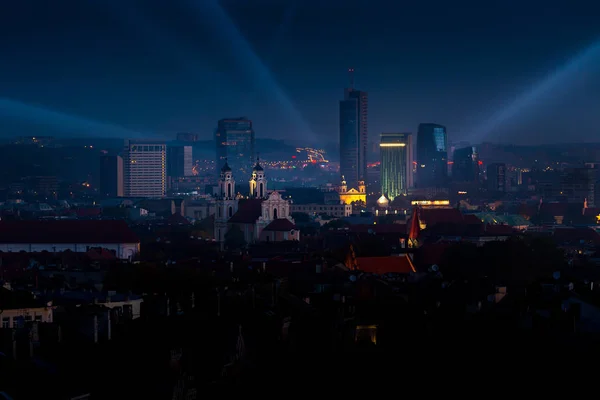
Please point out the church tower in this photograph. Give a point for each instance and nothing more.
(362, 188)
(258, 183)
(344, 187)
(226, 202)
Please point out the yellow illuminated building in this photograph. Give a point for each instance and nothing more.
(431, 203)
(349, 196)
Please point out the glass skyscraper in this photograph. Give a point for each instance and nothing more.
(396, 164)
(234, 139)
(432, 156)
(354, 136)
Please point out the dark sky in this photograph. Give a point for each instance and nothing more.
(162, 66)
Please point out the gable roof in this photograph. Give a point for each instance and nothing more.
(280, 225)
(384, 265)
(67, 231)
(249, 210)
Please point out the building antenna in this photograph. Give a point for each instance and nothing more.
(351, 75)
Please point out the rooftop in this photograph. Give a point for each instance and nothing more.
(67, 231)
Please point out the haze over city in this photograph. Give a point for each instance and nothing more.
(510, 72)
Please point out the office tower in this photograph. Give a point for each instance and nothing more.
(234, 138)
(145, 168)
(353, 134)
(111, 176)
(578, 185)
(396, 164)
(496, 177)
(179, 161)
(432, 156)
(466, 165)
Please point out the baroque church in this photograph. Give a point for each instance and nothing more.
(263, 217)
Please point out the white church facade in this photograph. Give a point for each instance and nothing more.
(263, 217)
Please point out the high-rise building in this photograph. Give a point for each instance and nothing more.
(234, 138)
(466, 165)
(496, 177)
(179, 161)
(145, 168)
(578, 185)
(354, 135)
(432, 156)
(111, 176)
(396, 164)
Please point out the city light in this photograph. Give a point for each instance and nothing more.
(392, 144)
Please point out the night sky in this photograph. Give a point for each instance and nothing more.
(488, 70)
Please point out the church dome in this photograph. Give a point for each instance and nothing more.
(383, 202)
(257, 167)
(226, 168)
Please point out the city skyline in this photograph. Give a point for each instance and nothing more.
(485, 81)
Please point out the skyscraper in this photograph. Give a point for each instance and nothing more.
(111, 175)
(432, 156)
(145, 165)
(353, 135)
(179, 161)
(496, 177)
(466, 165)
(396, 164)
(234, 138)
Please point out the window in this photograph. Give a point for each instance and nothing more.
(38, 318)
(5, 322)
(274, 213)
(230, 211)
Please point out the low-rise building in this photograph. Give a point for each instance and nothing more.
(334, 210)
(74, 235)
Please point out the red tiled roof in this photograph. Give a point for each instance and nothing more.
(415, 226)
(471, 219)
(434, 216)
(66, 231)
(178, 219)
(249, 210)
(499, 230)
(280, 225)
(100, 254)
(591, 211)
(431, 253)
(381, 229)
(383, 265)
(576, 235)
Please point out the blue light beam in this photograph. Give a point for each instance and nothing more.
(240, 46)
(62, 122)
(527, 99)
